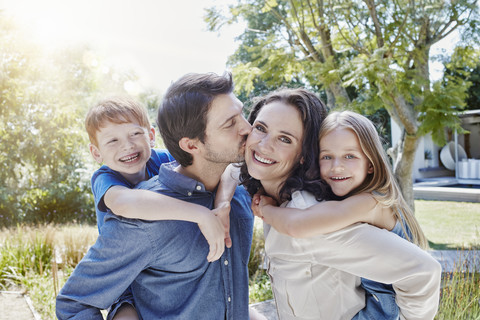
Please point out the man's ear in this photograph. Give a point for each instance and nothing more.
(189, 145)
(370, 168)
(95, 153)
(151, 135)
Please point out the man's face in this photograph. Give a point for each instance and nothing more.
(226, 130)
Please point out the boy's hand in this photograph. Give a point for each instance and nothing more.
(222, 211)
(213, 230)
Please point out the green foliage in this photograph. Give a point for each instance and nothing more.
(45, 167)
(363, 55)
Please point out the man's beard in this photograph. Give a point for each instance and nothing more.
(231, 156)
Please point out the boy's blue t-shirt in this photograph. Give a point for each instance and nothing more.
(105, 178)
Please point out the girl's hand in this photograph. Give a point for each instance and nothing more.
(259, 202)
(213, 230)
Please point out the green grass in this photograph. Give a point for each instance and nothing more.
(449, 225)
(40, 259)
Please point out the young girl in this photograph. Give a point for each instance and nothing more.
(355, 167)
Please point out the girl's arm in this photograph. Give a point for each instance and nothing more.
(145, 204)
(324, 217)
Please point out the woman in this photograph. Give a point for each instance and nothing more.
(319, 277)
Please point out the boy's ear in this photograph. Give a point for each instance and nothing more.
(370, 168)
(189, 145)
(151, 135)
(95, 153)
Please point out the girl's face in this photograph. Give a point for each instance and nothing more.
(273, 147)
(343, 165)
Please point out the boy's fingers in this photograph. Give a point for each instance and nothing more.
(228, 240)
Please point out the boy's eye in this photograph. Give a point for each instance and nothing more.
(112, 141)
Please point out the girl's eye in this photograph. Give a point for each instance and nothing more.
(325, 158)
(112, 141)
(285, 140)
(350, 156)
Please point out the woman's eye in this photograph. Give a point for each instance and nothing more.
(259, 128)
(285, 140)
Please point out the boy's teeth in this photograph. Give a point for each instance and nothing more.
(130, 158)
(263, 160)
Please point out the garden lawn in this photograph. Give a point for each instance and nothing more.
(449, 225)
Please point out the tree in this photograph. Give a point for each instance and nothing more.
(379, 48)
(43, 154)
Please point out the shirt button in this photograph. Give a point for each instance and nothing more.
(226, 262)
(189, 194)
(199, 188)
(229, 299)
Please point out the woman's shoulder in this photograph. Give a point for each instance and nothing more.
(301, 200)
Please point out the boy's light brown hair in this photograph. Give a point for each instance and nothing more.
(116, 110)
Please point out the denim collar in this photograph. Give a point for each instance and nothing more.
(177, 181)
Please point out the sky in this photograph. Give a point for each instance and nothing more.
(160, 40)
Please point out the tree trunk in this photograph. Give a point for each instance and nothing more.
(403, 166)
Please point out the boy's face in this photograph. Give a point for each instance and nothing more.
(124, 148)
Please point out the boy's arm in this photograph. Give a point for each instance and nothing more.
(225, 191)
(324, 217)
(150, 205)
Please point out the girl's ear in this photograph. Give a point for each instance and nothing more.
(151, 135)
(95, 153)
(188, 145)
(370, 168)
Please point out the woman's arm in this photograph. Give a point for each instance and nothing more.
(149, 205)
(324, 217)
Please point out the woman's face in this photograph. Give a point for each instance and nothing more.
(273, 147)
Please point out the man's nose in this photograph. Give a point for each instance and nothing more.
(245, 127)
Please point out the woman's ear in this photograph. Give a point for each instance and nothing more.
(95, 153)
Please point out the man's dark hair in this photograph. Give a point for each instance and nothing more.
(184, 108)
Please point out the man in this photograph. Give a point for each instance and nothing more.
(202, 125)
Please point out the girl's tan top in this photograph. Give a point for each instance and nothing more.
(319, 277)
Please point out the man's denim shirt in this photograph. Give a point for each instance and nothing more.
(165, 262)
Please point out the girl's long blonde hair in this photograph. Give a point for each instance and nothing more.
(381, 183)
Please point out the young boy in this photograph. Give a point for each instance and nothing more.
(122, 139)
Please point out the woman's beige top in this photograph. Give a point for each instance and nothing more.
(319, 277)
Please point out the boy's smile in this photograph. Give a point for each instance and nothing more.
(124, 147)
